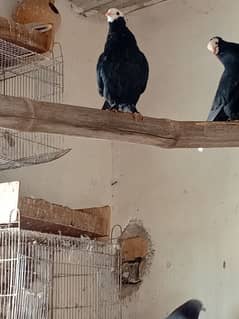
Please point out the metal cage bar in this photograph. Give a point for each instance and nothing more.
(27, 74)
(53, 277)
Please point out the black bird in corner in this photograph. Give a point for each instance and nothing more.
(122, 69)
(189, 310)
(225, 106)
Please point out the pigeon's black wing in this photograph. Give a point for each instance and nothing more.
(232, 107)
(123, 79)
(226, 102)
(176, 315)
(103, 63)
(189, 310)
(144, 72)
(100, 82)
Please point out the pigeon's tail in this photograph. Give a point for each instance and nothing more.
(217, 115)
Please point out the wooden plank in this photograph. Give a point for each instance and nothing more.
(32, 116)
(132, 248)
(40, 215)
(24, 36)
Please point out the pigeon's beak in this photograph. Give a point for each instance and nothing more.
(213, 48)
(108, 14)
(203, 308)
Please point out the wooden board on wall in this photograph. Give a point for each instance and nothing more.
(132, 248)
(43, 216)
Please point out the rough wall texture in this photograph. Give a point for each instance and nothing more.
(187, 200)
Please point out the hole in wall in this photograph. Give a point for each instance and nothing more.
(137, 254)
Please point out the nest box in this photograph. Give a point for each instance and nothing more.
(41, 15)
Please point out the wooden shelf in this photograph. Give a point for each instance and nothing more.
(40, 215)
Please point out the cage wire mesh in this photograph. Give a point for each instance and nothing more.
(24, 73)
(53, 277)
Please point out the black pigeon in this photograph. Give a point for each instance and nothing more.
(122, 69)
(189, 310)
(225, 106)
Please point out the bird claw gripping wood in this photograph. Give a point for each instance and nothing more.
(138, 117)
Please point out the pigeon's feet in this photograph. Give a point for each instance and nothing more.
(113, 109)
(128, 108)
(138, 116)
(108, 107)
(125, 108)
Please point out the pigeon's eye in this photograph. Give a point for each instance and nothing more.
(117, 13)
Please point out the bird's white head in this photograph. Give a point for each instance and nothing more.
(113, 14)
(214, 45)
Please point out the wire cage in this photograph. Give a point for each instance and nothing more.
(53, 277)
(24, 73)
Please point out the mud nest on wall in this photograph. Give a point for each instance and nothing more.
(137, 255)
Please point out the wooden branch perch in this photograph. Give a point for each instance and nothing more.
(32, 116)
(40, 215)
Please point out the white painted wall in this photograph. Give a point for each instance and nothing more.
(82, 178)
(187, 200)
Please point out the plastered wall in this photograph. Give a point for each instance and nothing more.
(187, 200)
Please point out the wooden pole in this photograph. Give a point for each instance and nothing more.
(32, 116)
